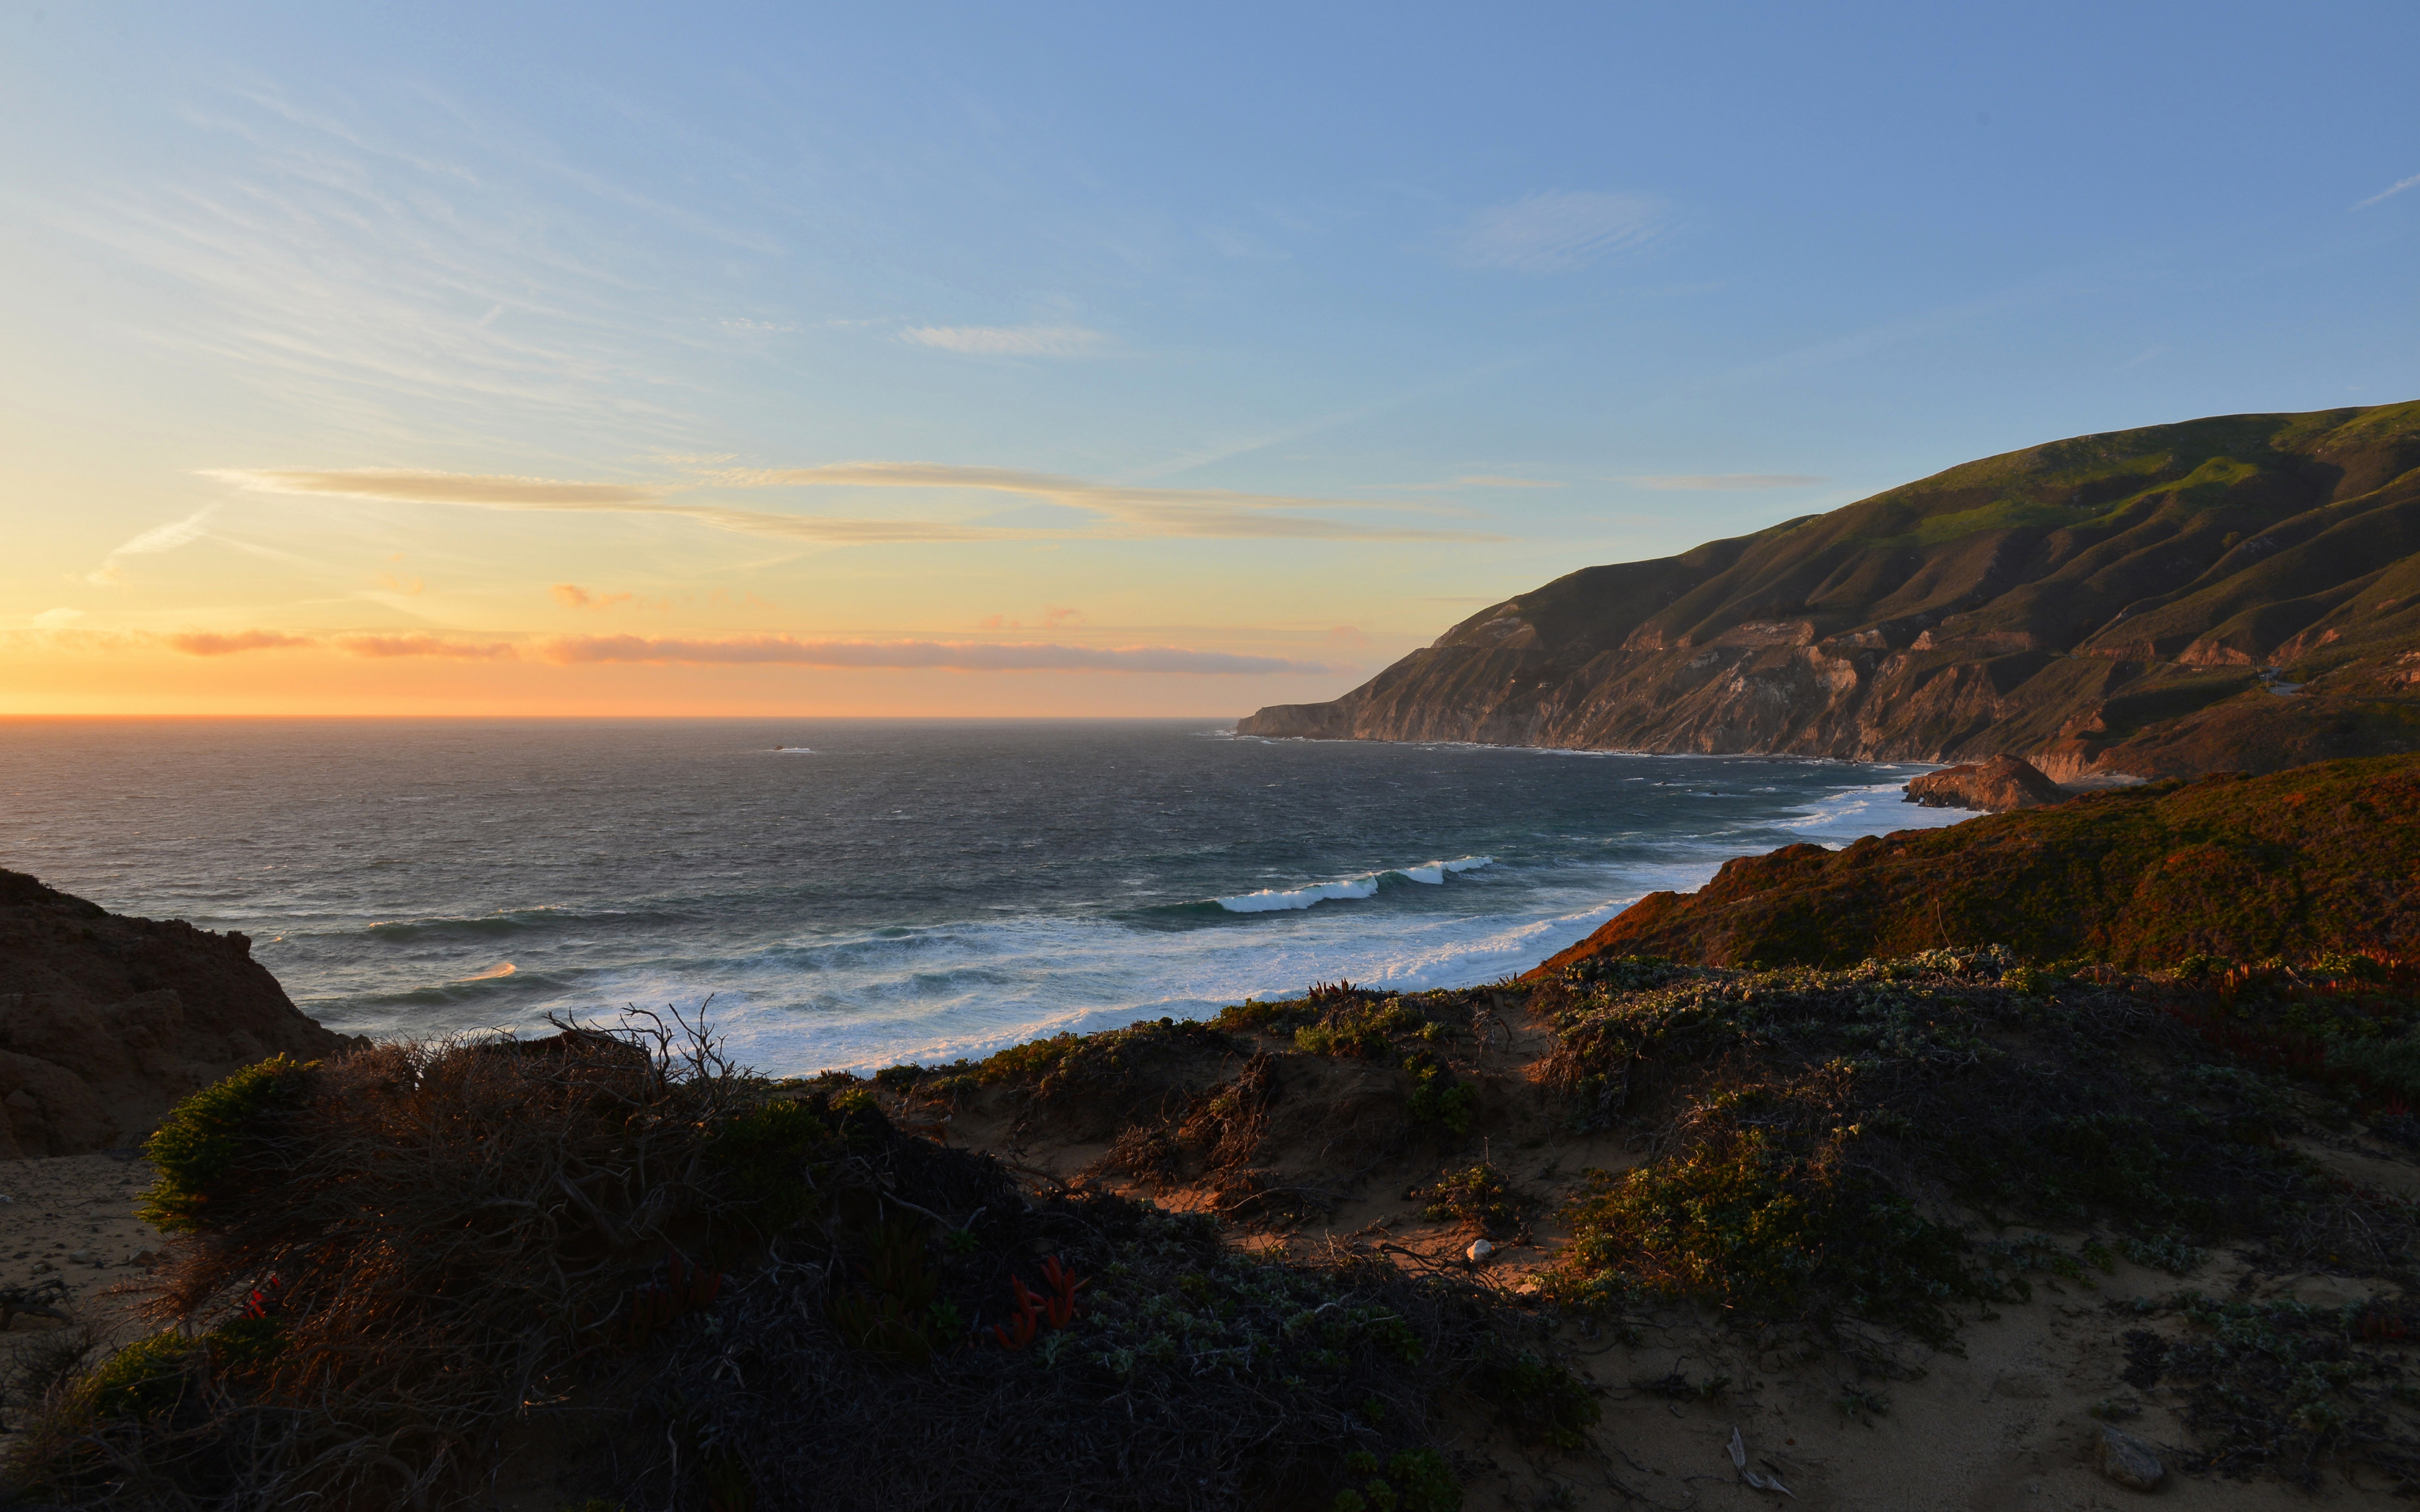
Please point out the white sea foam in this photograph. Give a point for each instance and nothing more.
(1876, 809)
(1272, 900)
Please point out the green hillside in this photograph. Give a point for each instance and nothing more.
(2240, 591)
(2318, 861)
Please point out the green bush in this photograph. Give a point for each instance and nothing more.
(2392, 1065)
(1542, 1402)
(195, 1148)
(1743, 1219)
(765, 1154)
(146, 1377)
(1437, 1097)
(1478, 1195)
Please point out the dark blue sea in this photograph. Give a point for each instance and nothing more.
(839, 892)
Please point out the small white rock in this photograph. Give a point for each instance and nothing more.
(1479, 1251)
(80, 1256)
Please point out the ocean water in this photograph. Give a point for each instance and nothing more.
(853, 893)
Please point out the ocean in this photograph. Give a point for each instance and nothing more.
(848, 892)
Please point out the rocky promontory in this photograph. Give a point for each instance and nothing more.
(2236, 593)
(2000, 785)
(107, 1021)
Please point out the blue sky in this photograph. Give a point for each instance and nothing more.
(649, 359)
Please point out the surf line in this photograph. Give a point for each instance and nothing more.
(1270, 899)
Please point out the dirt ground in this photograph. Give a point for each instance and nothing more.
(70, 1219)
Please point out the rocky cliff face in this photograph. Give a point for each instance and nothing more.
(106, 1021)
(2238, 592)
(2000, 785)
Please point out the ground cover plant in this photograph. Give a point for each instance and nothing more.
(394, 1271)
(1886, 1152)
(2297, 866)
(2281, 1385)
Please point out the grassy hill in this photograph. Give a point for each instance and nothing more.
(2241, 592)
(2295, 865)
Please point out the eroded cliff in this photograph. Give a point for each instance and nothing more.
(106, 1021)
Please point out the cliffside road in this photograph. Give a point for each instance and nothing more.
(2135, 602)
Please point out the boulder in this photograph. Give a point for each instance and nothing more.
(107, 1021)
(1996, 786)
(2128, 1461)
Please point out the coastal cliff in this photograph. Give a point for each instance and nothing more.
(108, 1022)
(2239, 592)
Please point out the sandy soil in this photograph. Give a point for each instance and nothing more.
(71, 1218)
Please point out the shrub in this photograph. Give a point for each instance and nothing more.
(1477, 1195)
(197, 1145)
(1541, 1402)
(465, 1241)
(2393, 1065)
(766, 1156)
(1808, 1126)
(146, 1377)
(1437, 1099)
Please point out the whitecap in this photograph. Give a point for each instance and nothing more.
(1272, 899)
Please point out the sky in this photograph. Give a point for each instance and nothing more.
(1043, 360)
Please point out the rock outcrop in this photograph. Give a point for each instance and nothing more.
(106, 1021)
(2299, 864)
(1997, 786)
(2234, 593)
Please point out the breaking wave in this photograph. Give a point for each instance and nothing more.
(1270, 899)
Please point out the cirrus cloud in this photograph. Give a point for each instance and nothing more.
(421, 643)
(1132, 512)
(158, 538)
(1008, 341)
(1559, 231)
(957, 656)
(1723, 482)
(208, 643)
(776, 650)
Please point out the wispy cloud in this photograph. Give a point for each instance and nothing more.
(1725, 482)
(1557, 231)
(1481, 480)
(775, 650)
(158, 538)
(571, 595)
(207, 643)
(1216, 512)
(545, 496)
(2391, 189)
(1205, 512)
(954, 654)
(1009, 341)
(57, 619)
(411, 486)
(421, 644)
